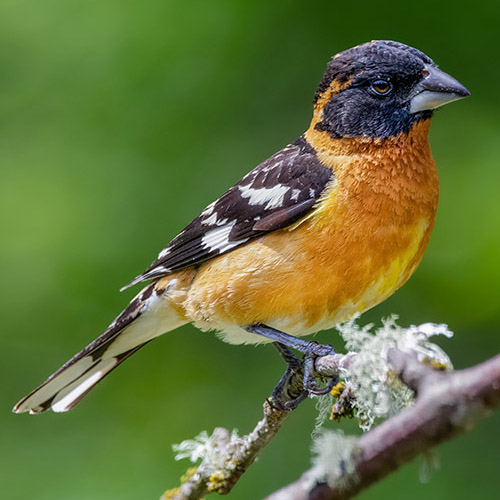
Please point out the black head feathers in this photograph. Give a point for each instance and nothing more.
(376, 81)
(373, 58)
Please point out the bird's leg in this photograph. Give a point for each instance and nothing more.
(287, 354)
(311, 350)
(304, 346)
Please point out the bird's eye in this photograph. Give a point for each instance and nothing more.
(381, 87)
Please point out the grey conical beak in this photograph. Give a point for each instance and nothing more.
(435, 89)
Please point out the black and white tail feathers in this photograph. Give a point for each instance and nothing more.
(147, 316)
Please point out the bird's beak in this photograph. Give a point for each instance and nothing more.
(435, 89)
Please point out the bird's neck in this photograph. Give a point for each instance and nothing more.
(413, 144)
(397, 173)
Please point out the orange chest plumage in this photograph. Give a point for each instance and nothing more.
(363, 240)
(373, 225)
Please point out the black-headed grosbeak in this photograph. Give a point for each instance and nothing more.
(329, 226)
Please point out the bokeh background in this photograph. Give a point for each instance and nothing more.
(119, 121)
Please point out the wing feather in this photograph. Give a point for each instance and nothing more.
(274, 195)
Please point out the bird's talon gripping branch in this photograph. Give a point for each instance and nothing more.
(310, 376)
(311, 351)
(284, 404)
(327, 389)
(310, 383)
(300, 378)
(286, 396)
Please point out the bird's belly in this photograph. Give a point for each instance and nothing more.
(301, 282)
(373, 282)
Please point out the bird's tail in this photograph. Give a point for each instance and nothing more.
(147, 316)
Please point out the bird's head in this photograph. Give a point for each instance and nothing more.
(380, 90)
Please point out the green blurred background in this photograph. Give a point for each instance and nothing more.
(119, 121)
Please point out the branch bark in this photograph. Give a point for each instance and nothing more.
(447, 404)
(240, 455)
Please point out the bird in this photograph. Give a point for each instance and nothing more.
(328, 227)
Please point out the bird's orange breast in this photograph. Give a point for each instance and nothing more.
(363, 240)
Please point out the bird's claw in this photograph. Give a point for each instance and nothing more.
(282, 399)
(310, 375)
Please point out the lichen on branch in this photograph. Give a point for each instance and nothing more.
(390, 373)
(378, 392)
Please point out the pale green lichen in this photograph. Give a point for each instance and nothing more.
(378, 393)
(324, 406)
(193, 449)
(212, 454)
(428, 465)
(333, 459)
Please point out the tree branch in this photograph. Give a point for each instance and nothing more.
(447, 404)
(238, 454)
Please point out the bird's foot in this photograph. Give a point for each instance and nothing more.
(301, 379)
(286, 396)
(312, 378)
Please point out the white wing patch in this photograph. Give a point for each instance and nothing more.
(164, 253)
(218, 239)
(270, 197)
(209, 209)
(210, 221)
(213, 221)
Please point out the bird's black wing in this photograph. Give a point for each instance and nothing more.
(274, 195)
